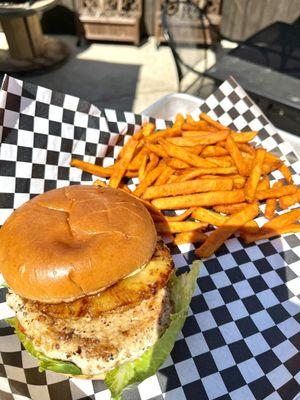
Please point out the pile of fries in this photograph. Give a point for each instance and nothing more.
(212, 173)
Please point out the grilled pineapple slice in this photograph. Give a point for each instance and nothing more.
(126, 292)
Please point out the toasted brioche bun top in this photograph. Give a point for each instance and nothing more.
(74, 241)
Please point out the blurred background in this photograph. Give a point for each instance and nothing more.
(126, 54)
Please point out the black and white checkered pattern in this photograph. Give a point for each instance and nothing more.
(241, 339)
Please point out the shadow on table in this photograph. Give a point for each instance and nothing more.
(105, 84)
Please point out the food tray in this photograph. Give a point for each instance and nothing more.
(241, 338)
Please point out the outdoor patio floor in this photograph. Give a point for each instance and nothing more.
(117, 76)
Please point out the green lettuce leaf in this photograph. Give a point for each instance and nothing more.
(128, 374)
(45, 362)
(4, 285)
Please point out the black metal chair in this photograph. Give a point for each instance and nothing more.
(185, 25)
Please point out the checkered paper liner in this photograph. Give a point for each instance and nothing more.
(241, 338)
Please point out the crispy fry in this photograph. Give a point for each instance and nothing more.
(196, 125)
(286, 173)
(271, 203)
(185, 156)
(169, 132)
(138, 135)
(249, 157)
(283, 219)
(142, 169)
(121, 165)
(225, 158)
(243, 137)
(183, 141)
(175, 227)
(104, 172)
(188, 175)
(270, 158)
(219, 161)
(264, 183)
(271, 166)
(230, 208)
(148, 129)
(180, 217)
(152, 163)
(211, 121)
(131, 174)
(275, 193)
(214, 151)
(178, 176)
(236, 156)
(246, 148)
(206, 138)
(149, 179)
(97, 182)
(179, 121)
(287, 201)
(274, 227)
(255, 174)
(162, 179)
(189, 237)
(177, 164)
(124, 187)
(189, 119)
(124, 148)
(156, 149)
(172, 178)
(210, 176)
(238, 182)
(194, 186)
(139, 147)
(194, 134)
(97, 170)
(265, 233)
(211, 217)
(248, 162)
(200, 200)
(194, 149)
(271, 163)
(137, 159)
(216, 219)
(250, 227)
(234, 222)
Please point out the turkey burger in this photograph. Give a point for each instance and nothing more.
(88, 279)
